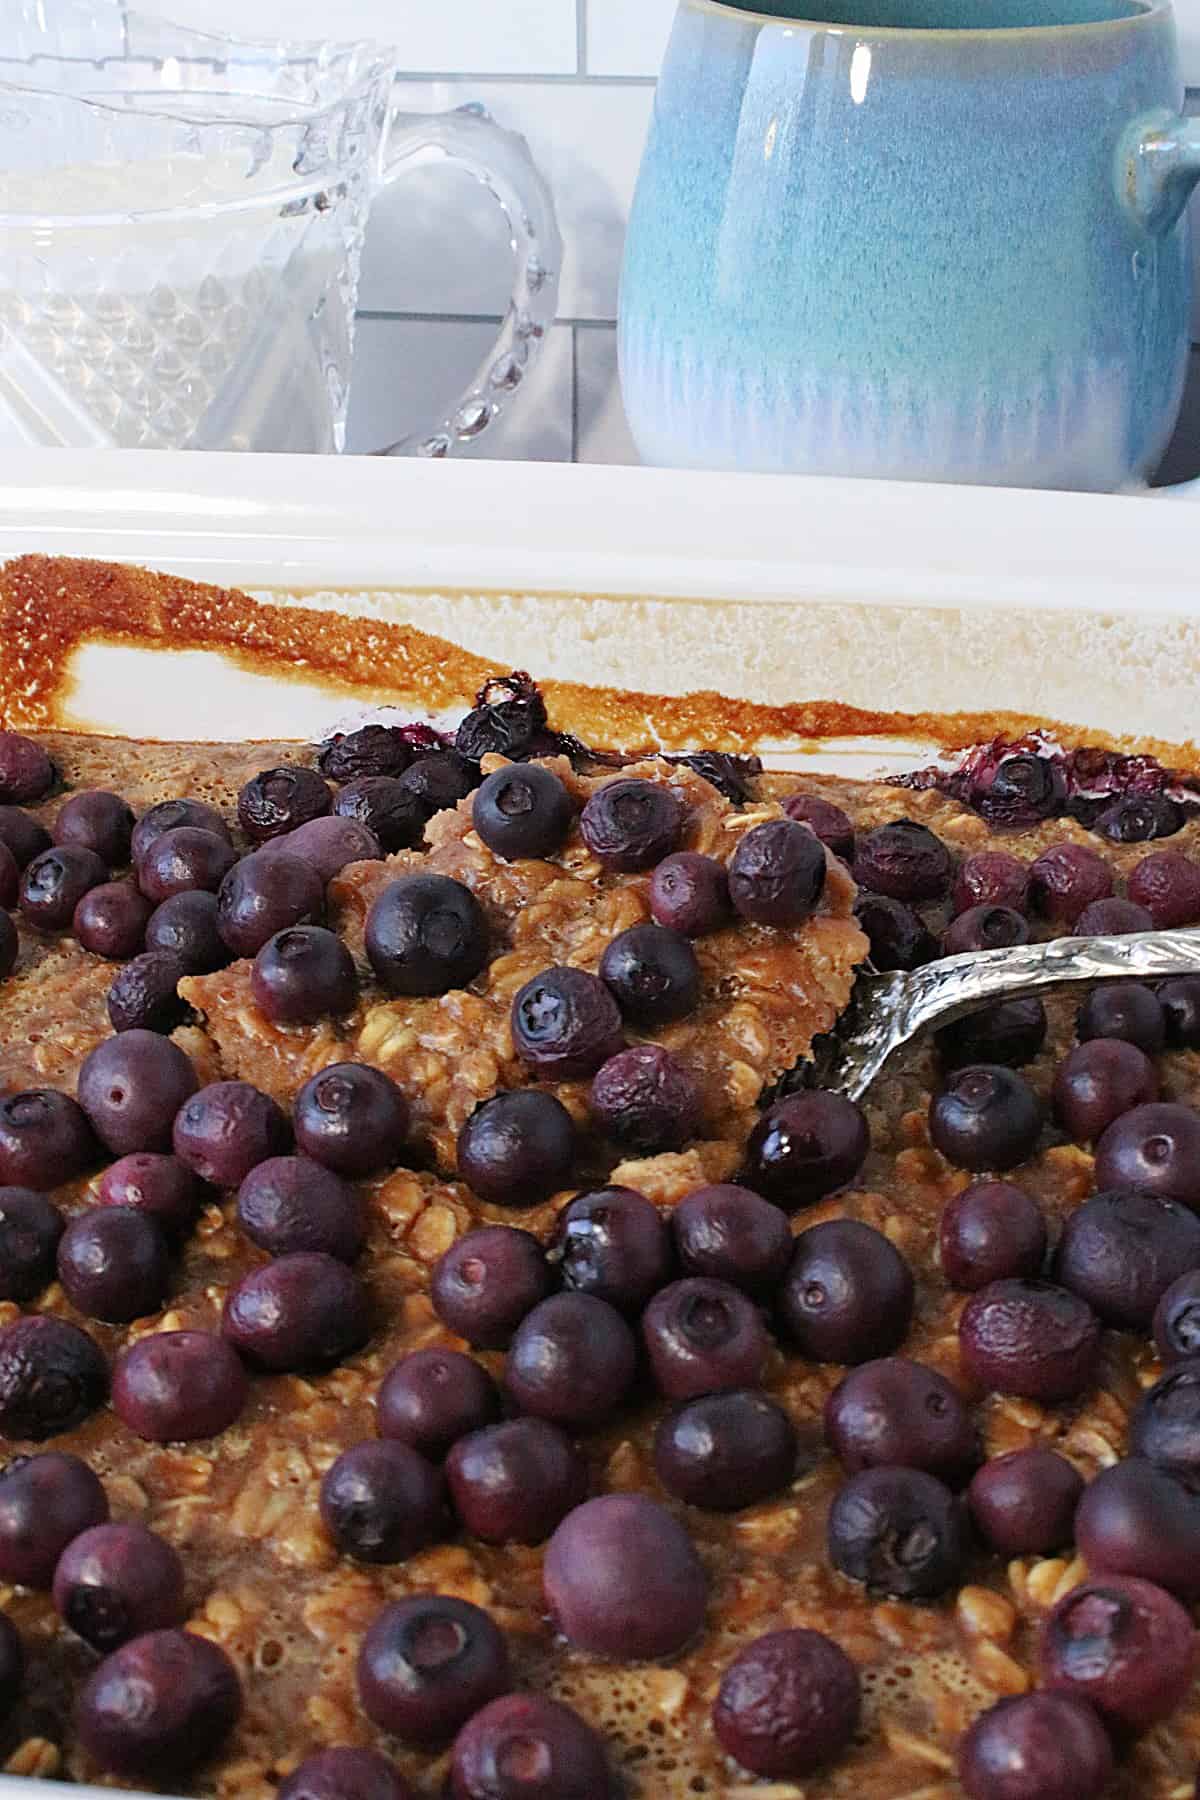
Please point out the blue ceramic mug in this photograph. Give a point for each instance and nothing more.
(938, 240)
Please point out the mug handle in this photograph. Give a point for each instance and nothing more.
(499, 159)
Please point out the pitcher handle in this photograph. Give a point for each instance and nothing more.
(499, 159)
(1158, 165)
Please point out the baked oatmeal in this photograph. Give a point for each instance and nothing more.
(433, 1300)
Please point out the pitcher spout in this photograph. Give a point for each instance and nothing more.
(1158, 165)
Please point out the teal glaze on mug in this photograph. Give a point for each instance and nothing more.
(937, 240)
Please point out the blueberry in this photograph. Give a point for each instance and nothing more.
(483, 1286)
(45, 1502)
(55, 882)
(900, 1413)
(30, 1228)
(156, 1185)
(513, 1483)
(177, 1385)
(653, 975)
(1023, 1504)
(186, 926)
(632, 824)
(508, 718)
(426, 934)
(278, 800)
(847, 1295)
(1165, 1424)
(527, 1747)
(805, 1147)
(1096, 1082)
(132, 1086)
(621, 1578)
(113, 1264)
(381, 1502)
(371, 750)
(159, 1705)
(1065, 879)
(1124, 1009)
(1111, 918)
(726, 1451)
(1137, 1518)
(110, 920)
(1177, 1319)
(1135, 818)
(10, 878)
(45, 1139)
(264, 894)
(1035, 1747)
(572, 1360)
(351, 1118)
(1029, 1338)
(612, 1244)
(1167, 884)
(990, 1231)
(183, 860)
(391, 812)
(1121, 1251)
(825, 820)
(787, 1704)
(900, 1531)
(1180, 1001)
(903, 860)
(1123, 1644)
(302, 1311)
(21, 835)
(689, 893)
(328, 845)
(1153, 1148)
(52, 1376)
(1010, 1032)
(428, 1664)
(702, 1336)
(345, 1774)
(517, 1148)
(522, 810)
(114, 1582)
(985, 1117)
(899, 937)
(431, 1398)
(26, 772)
(12, 1666)
(145, 996)
(985, 928)
(172, 815)
(10, 946)
(303, 975)
(291, 1203)
(731, 775)
(646, 1100)
(733, 1235)
(777, 874)
(227, 1129)
(565, 1023)
(440, 779)
(991, 878)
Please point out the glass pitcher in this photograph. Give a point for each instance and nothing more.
(181, 221)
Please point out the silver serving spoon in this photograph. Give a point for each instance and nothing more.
(886, 1012)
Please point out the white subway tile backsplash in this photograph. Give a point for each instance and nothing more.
(601, 436)
(627, 37)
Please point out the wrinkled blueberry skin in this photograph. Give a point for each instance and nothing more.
(52, 1376)
(787, 1704)
(899, 1531)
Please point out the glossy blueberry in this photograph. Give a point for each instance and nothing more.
(171, 815)
(186, 927)
(991, 878)
(381, 1502)
(111, 920)
(702, 1336)
(1098, 1081)
(900, 1531)
(303, 975)
(528, 1747)
(145, 996)
(903, 860)
(178, 1385)
(428, 1664)
(689, 893)
(12, 1665)
(345, 1774)
(486, 1282)
(52, 1376)
(371, 750)
(847, 1295)
(1137, 1518)
(45, 1139)
(391, 812)
(132, 1086)
(55, 882)
(508, 718)
(653, 975)
(900, 1413)
(805, 1147)
(440, 779)
(513, 1483)
(431, 1398)
(990, 1231)
(645, 1099)
(291, 1203)
(264, 894)
(1177, 1319)
(26, 772)
(1123, 1009)
(1113, 917)
(10, 946)
(1035, 1747)
(99, 821)
(522, 811)
(114, 1582)
(159, 1186)
(302, 1311)
(180, 861)
(632, 824)
(30, 1228)
(733, 1235)
(621, 1578)
(1165, 1424)
(517, 1148)
(1135, 818)
(351, 1118)
(1121, 1251)
(725, 1451)
(777, 873)
(985, 1117)
(158, 1706)
(1123, 1644)
(787, 1704)
(227, 1129)
(898, 936)
(113, 1264)
(1023, 1504)
(1180, 1000)
(1009, 1032)
(613, 1244)
(572, 1360)
(1167, 884)
(426, 934)
(280, 799)
(22, 835)
(565, 1023)
(825, 820)
(45, 1502)
(1065, 879)
(328, 845)
(985, 928)
(1155, 1149)
(1029, 1338)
